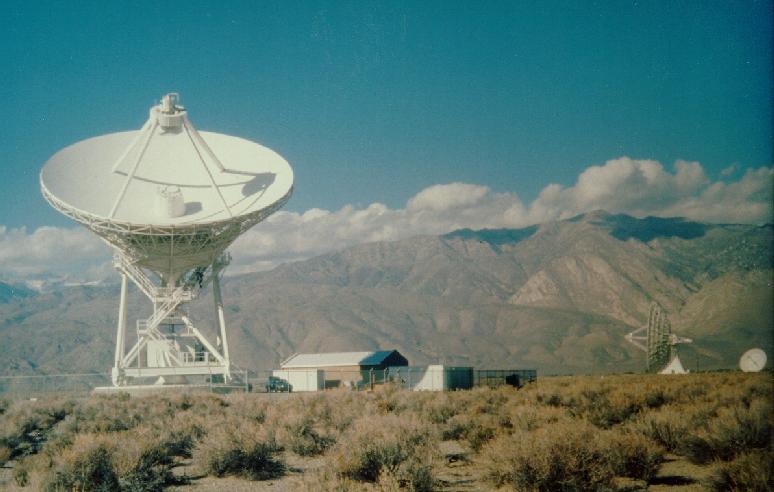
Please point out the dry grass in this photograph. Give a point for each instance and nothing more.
(749, 472)
(386, 445)
(242, 450)
(569, 433)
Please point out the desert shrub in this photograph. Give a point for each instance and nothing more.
(21, 473)
(304, 425)
(758, 388)
(655, 398)
(178, 436)
(389, 399)
(333, 411)
(113, 413)
(481, 430)
(488, 400)
(87, 466)
(733, 431)
(248, 407)
(607, 410)
(749, 472)
(25, 427)
(529, 418)
(5, 404)
(601, 401)
(631, 455)
(561, 434)
(150, 469)
(5, 453)
(326, 479)
(667, 426)
(550, 399)
(412, 476)
(456, 428)
(300, 436)
(562, 457)
(477, 429)
(438, 410)
(383, 444)
(135, 461)
(246, 450)
(180, 442)
(477, 435)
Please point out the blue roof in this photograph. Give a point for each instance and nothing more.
(336, 359)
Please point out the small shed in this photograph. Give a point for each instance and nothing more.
(302, 379)
(347, 368)
(432, 378)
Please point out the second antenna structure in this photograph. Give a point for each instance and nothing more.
(659, 343)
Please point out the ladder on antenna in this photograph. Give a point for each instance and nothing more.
(140, 279)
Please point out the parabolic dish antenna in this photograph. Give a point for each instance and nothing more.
(753, 360)
(170, 200)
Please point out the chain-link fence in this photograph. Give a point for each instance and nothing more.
(83, 384)
(415, 378)
(29, 386)
(412, 378)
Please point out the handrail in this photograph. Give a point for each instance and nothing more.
(137, 275)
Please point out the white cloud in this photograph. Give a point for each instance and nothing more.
(624, 185)
(447, 196)
(636, 187)
(729, 170)
(71, 254)
(642, 187)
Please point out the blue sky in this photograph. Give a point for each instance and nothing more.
(400, 118)
(375, 101)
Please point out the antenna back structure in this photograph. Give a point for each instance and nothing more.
(658, 341)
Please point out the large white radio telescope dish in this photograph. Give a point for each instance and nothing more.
(169, 199)
(167, 195)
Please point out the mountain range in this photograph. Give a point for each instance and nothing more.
(558, 297)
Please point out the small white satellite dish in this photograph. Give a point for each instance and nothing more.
(753, 360)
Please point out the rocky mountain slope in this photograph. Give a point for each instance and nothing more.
(558, 297)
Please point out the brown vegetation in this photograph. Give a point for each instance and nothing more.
(570, 433)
